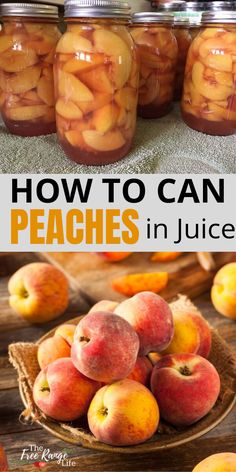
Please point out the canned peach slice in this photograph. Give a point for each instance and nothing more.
(49, 59)
(26, 113)
(224, 78)
(221, 113)
(42, 46)
(68, 109)
(150, 91)
(16, 61)
(126, 98)
(77, 64)
(98, 80)
(23, 81)
(75, 138)
(49, 116)
(211, 33)
(45, 90)
(6, 42)
(72, 88)
(109, 43)
(105, 118)
(210, 90)
(122, 117)
(103, 142)
(72, 43)
(221, 62)
(99, 100)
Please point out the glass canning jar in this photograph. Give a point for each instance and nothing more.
(158, 52)
(184, 39)
(27, 46)
(96, 82)
(209, 96)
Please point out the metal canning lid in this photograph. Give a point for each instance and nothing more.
(219, 5)
(29, 9)
(97, 9)
(195, 6)
(222, 16)
(181, 21)
(170, 6)
(152, 17)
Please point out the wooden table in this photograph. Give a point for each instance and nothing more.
(14, 435)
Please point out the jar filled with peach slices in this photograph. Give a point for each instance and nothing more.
(96, 82)
(184, 39)
(27, 47)
(158, 52)
(209, 97)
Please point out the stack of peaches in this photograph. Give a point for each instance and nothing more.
(126, 366)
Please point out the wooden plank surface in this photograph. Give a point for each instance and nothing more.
(15, 435)
(94, 274)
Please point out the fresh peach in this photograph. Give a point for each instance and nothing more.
(62, 392)
(38, 292)
(123, 414)
(223, 292)
(154, 357)
(141, 371)
(56, 346)
(186, 387)
(114, 256)
(192, 334)
(104, 305)
(105, 347)
(222, 462)
(151, 318)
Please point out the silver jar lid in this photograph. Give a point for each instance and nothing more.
(181, 21)
(97, 9)
(219, 5)
(174, 5)
(195, 6)
(152, 17)
(222, 16)
(34, 10)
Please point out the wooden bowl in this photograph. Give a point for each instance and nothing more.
(168, 437)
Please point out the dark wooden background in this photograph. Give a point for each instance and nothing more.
(15, 436)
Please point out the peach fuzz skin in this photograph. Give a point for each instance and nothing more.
(151, 318)
(192, 334)
(105, 347)
(104, 305)
(222, 462)
(62, 392)
(57, 346)
(141, 371)
(186, 387)
(223, 292)
(123, 414)
(38, 292)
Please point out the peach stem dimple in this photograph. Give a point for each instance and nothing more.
(185, 371)
(103, 411)
(84, 339)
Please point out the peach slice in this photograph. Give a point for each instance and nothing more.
(68, 110)
(24, 81)
(210, 33)
(49, 116)
(72, 88)
(26, 113)
(88, 63)
(98, 80)
(105, 118)
(75, 138)
(43, 46)
(109, 43)
(99, 101)
(73, 43)
(103, 142)
(126, 98)
(6, 42)
(122, 117)
(151, 91)
(219, 62)
(221, 113)
(45, 90)
(49, 59)
(208, 89)
(16, 61)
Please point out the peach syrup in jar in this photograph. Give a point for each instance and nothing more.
(184, 39)
(27, 46)
(209, 96)
(96, 82)
(158, 52)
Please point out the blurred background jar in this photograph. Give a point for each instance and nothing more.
(158, 51)
(27, 46)
(209, 97)
(183, 37)
(96, 81)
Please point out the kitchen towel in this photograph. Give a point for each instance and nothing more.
(165, 145)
